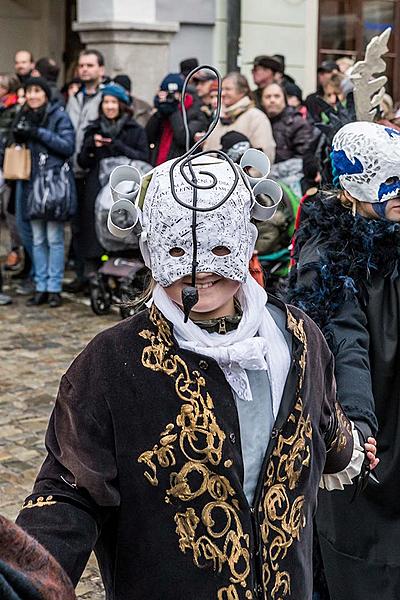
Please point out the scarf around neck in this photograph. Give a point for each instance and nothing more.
(257, 343)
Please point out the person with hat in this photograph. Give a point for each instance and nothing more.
(294, 96)
(264, 71)
(187, 443)
(114, 133)
(202, 81)
(49, 70)
(326, 70)
(165, 129)
(46, 130)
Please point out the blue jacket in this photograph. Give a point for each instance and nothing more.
(56, 139)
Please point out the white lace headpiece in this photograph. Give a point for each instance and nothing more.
(366, 159)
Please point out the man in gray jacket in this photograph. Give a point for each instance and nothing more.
(82, 108)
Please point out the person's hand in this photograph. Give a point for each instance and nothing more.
(100, 141)
(162, 96)
(370, 452)
(23, 132)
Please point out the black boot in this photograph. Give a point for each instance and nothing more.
(37, 299)
(55, 299)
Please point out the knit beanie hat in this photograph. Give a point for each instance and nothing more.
(188, 65)
(293, 90)
(214, 86)
(231, 138)
(39, 82)
(117, 91)
(173, 82)
(125, 81)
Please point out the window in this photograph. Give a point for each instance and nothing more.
(346, 27)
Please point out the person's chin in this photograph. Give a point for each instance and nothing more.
(394, 214)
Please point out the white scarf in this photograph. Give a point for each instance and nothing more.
(257, 343)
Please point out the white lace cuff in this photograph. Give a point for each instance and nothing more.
(337, 481)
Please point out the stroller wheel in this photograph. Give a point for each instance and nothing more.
(100, 301)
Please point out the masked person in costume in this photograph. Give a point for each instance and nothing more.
(347, 279)
(188, 442)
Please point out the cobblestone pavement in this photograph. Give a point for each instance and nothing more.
(36, 346)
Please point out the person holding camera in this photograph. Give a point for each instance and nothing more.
(165, 129)
(48, 197)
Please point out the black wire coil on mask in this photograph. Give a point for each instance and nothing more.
(190, 295)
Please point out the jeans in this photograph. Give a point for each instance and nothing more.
(23, 226)
(48, 255)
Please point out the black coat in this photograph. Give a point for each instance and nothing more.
(292, 134)
(197, 121)
(145, 465)
(347, 279)
(130, 141)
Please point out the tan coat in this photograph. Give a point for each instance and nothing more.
(249, 121)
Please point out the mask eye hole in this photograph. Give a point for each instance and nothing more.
(176, 251)
(392, 180)
(221, 251)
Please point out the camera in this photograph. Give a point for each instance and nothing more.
(172, 88)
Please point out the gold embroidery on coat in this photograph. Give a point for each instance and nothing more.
(340, 440)
(282, 519)
(198, 436)
(39, 502)
(229, 593)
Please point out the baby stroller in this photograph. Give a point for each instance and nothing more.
(121, 277)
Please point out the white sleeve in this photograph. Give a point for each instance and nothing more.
(336, 481)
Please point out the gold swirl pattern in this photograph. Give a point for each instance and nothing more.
(340, 440)
(281, 517)
(39, 503)
(199, 438)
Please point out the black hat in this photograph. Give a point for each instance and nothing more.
(268, 62)
(235, 144)
(188, 65)
(327, 66)
(293, 90)
(124, 80)
(40, 82)
(231, 138)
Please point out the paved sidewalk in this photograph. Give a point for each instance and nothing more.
(36, 346)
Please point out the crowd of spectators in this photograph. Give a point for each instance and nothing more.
(73, 131)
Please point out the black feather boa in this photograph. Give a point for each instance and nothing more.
(350, 251)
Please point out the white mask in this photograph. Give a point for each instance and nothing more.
(366, 158)
(168, 225)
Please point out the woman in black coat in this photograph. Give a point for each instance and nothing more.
(114, 133)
